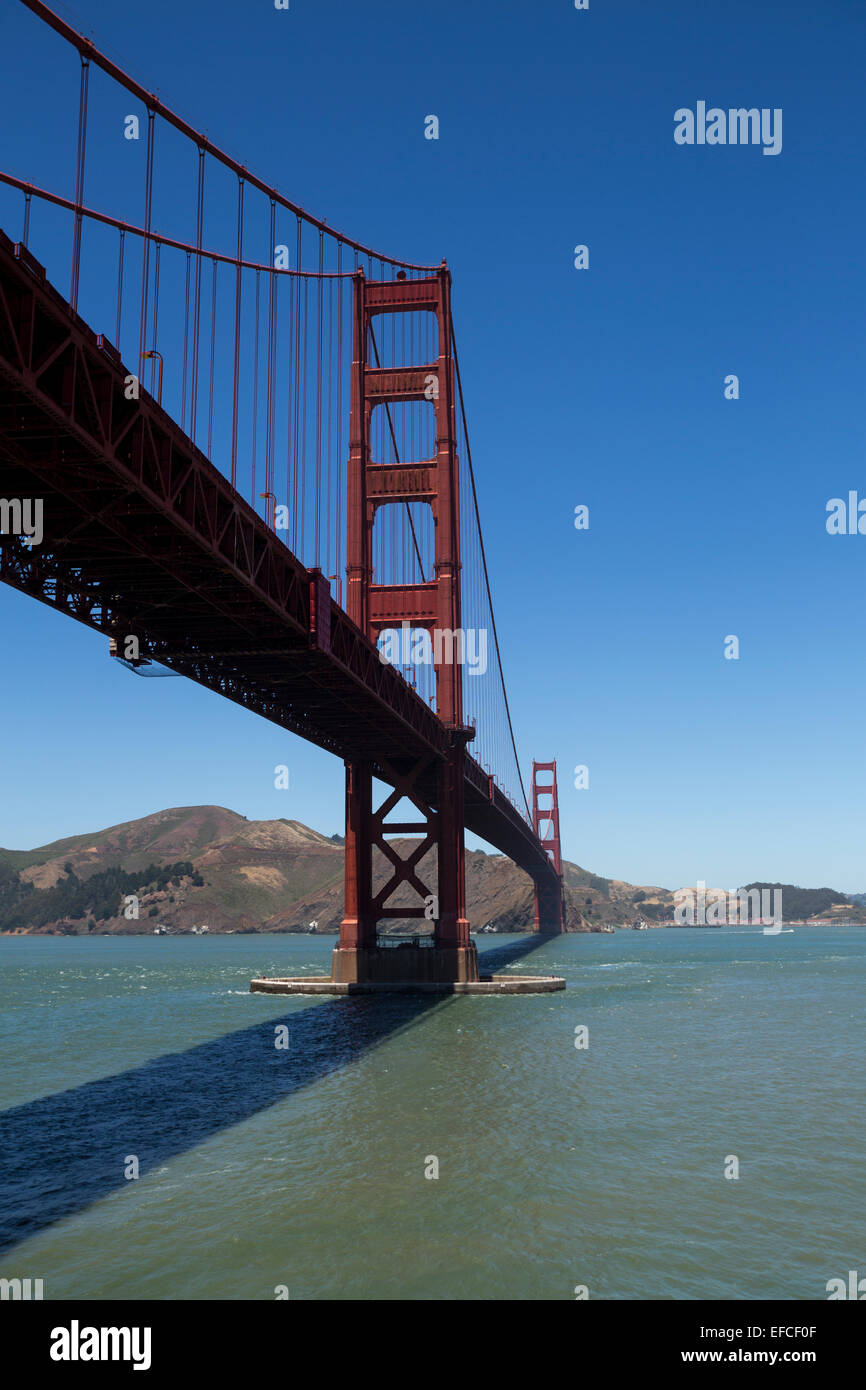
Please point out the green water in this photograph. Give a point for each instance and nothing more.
(558, 1167)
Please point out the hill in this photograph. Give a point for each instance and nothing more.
(189, 866)
(195, 866)
(802, 904)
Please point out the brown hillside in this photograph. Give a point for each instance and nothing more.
(280, 875)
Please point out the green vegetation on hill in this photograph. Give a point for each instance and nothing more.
(101, 896)
(799, 904)
(11, 887)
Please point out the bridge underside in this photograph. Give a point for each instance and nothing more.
(144, 537)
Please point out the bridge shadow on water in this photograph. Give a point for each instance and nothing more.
(63, 1152)
(498, 958)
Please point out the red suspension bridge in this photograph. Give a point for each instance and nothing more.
(261, 479)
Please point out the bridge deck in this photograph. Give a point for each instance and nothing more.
(144, 536)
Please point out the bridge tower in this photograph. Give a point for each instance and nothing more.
(549, 902)
(434, 787)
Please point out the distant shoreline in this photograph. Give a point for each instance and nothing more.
(334, 935)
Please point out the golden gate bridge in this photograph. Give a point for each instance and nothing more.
(249, 438)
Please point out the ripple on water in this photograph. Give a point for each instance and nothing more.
(556, 1166)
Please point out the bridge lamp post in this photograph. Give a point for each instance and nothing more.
(339, 588)
(158, 355)
(265, 496)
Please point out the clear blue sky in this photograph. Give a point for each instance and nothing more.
(602, 387)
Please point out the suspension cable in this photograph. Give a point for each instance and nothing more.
(89, 52)
(484, 565)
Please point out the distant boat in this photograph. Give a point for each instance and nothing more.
(639, 925)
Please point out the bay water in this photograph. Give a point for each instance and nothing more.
(307, 1169)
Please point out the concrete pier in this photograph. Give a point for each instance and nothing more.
(487, 984)
(407, 965)
(405, 961)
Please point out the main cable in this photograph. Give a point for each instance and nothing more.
(484, 565)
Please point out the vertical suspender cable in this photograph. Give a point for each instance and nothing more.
(303, 552)
(328, 417)
(299, 369)
(185, 345)
(196, 313)
(290, 376)
(269, 389)
(316, 551)
(213, 309)
(155, 311)
(237, 361)
(145, 242)
(119, 290)
(79, 180)
(340, 299)
(255, 395)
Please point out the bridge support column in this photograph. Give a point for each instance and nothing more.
(358, 927)
(429, 600)
(452, 925)
(549, 900)
(435, 789)
(549, 908)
